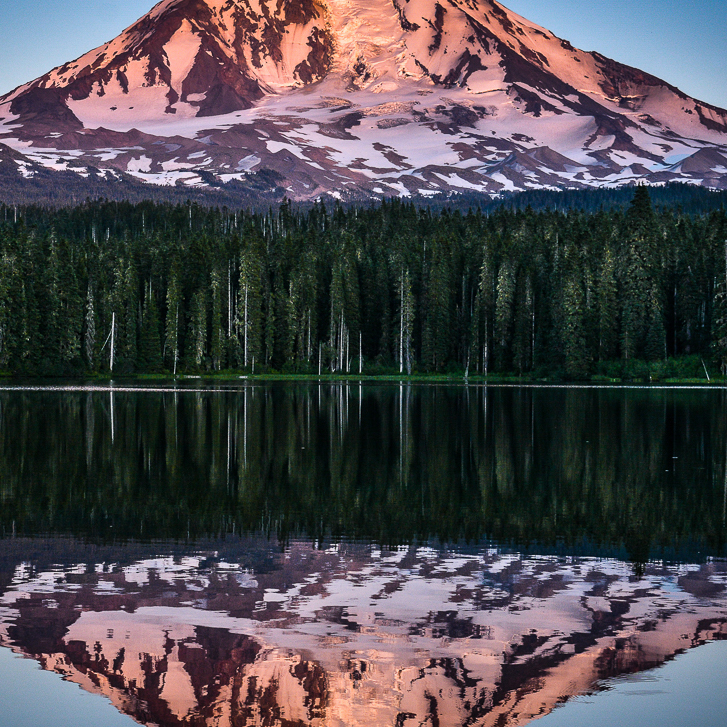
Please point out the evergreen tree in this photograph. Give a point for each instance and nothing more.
(218, 325)
(150, 348)
(524, 313)
(641, 311)
(607, 306)
(439, 311)
(126, 305)
(719, 345)
(574, 339)
(504, 303)
(7, 308)
(66, 309)
(249, 323)
(345, 306)
(89, 338)
(484, 309)
(198, 329)
(406, 322)
(172, 351)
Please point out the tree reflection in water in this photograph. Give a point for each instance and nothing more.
(642, 470)
(296, 555)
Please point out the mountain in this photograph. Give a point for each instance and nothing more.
(351, 636)
(360, 98)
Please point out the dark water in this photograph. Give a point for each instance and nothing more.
(359, 555)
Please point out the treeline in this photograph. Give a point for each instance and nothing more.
(687, 198)
(160, 288)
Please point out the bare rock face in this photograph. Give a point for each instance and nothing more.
(362, 97)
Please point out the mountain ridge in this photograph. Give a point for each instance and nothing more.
(349, 98)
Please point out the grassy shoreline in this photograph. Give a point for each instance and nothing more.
(385, 378)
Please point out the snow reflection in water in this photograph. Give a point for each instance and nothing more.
(278, 630)
(355, 635)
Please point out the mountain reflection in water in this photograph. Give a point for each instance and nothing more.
(352, 634)
(343, 555)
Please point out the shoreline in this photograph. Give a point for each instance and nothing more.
(131, 381)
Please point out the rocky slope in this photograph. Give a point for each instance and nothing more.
(361, 97)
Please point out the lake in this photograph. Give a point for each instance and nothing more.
(289, 554)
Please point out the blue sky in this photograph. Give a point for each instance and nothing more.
(685, 43)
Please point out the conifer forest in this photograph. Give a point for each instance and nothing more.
(113, 287)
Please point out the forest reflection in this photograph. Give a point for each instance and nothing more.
(641, 470)
(341, 554)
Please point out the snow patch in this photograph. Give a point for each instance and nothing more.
(142, 164)
(181, 52)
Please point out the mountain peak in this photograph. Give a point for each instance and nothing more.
(355, 96)
(199, 58)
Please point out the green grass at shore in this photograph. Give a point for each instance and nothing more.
(684, 370)
(494, 380)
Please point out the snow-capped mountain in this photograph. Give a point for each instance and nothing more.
(351, 636)
(361, 97)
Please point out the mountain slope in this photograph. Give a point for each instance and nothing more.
(362, 97)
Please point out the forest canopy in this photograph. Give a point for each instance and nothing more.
(391, 287)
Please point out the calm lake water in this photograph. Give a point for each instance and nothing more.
(345, 555)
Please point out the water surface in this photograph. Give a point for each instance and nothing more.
(360, 555)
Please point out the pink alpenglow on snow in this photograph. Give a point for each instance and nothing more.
(360, 98)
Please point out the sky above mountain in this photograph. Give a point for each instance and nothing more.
(681, 42)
